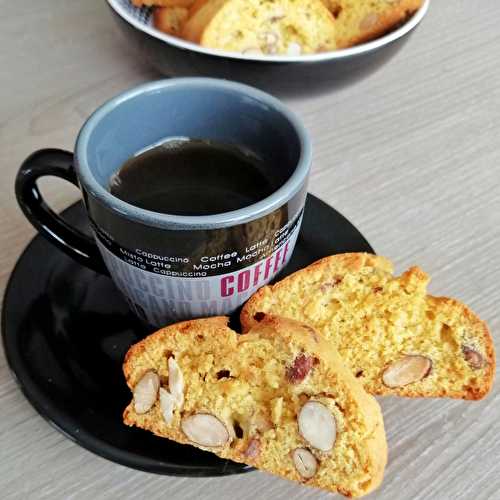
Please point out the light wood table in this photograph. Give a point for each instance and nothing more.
(410, 155)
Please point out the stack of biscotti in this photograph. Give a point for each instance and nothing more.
(278, 398)
(291, 395)
(395, 338)
(287, 27)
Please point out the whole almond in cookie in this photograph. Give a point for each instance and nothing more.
(475, 360)
(317, 425)
(175, 382)
(146, 392)
(407, 370)
(205, 429)
(305, 462)
(167, 405)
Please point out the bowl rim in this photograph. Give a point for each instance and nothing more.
(363, 48)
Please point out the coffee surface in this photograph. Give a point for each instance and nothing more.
(192, 177)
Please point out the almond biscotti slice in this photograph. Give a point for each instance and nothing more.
(358, 21)
(278, 398)
(288, 27)
(395, 338)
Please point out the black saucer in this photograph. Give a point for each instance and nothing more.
(66, 330)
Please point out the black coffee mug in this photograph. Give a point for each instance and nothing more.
(172, 267)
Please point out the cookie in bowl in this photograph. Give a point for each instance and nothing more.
(358, 21)
(289, 27)
(157, 38)
(163, 3)
(170, 20)
(279, 27)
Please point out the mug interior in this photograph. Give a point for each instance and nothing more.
(202, 108)
(210, 112)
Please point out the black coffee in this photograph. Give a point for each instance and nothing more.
(192, 177)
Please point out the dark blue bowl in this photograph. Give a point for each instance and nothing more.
(304, 74)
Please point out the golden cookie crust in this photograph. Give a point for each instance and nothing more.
(256, 397)
(358, 21)
(375, 319)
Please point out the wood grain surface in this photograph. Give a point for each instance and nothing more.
(411, 155)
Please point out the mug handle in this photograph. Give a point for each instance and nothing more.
(57, 163)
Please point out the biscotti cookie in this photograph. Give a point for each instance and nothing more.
(290, 27)
(358, 21)
(170, 20)
(163, 3)
(278, 398)
(395, 338)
